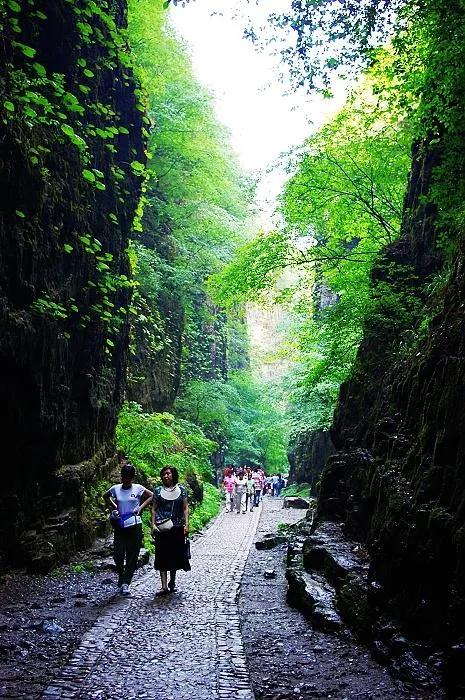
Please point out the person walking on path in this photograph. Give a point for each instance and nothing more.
(229, 486)
(257, 480)
(241, 486)
(278, 483)
(267, 487)
(125, 499)
(170, 527)
(250, 491)
(274, 485)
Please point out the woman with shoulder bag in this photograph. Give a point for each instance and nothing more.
(170, 527)
(125, 498)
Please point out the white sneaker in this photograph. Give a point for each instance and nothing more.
(125, 589)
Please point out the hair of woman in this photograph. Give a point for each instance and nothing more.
(174, 472)
(128, 470)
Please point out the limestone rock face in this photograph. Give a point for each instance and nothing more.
(69, 197)
(397, 480)
(308, 456)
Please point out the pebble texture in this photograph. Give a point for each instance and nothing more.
(287, 657)
(183, 646)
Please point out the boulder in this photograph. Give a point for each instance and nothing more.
(270, 541)
(314, 596)
(296, 502)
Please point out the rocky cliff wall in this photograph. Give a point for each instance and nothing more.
(204, 340)
(178, 335)
(158, 326)
(398, 480)
(71, 149)
(308, 455)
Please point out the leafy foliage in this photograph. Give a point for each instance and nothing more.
(208, 509)
(62, 107)
(341, 206)
(240, 417)
(152, 440)
(196, 209)
(320, 39)
(195, 206)
(195, 185)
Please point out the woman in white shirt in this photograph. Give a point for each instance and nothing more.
(241, 486)
(125, 499)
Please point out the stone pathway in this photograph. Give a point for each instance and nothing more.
(180, 647)
(287, 658)
(200, 643)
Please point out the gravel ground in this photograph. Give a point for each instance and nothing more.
(287, 658)
(42, 619)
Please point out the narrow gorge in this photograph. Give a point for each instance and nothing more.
(153, 310)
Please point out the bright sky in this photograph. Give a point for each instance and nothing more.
(249, 98)
(263, 122)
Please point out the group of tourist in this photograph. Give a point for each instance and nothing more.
(244, 487)
(170, 526)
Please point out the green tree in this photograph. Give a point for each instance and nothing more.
(241, 417)
(341, 206)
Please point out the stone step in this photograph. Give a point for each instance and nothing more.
(296, 502)
(327, 550)
(315, 597)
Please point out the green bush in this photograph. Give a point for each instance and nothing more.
(302, 490)
(208, 509)
(152, 440)
(147, 530)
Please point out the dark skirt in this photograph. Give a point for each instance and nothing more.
(170, 550)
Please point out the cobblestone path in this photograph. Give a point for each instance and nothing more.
(179, 647)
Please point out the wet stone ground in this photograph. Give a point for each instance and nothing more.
(42, 620)
(70, 636)
(287, 658)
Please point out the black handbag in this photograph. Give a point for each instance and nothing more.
(187, 548)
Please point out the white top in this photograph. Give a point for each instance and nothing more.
(127, 501)
(170, 493)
